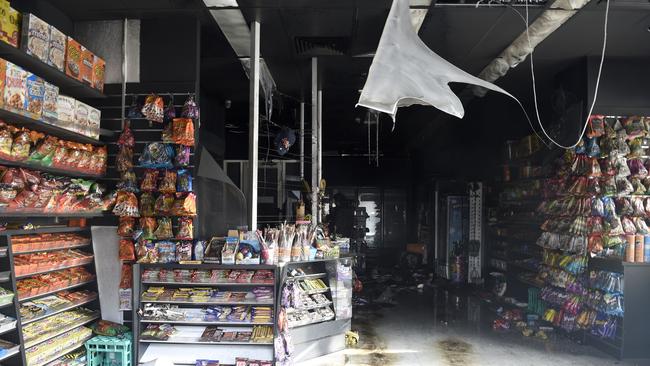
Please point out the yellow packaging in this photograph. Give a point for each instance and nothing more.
(10, 22)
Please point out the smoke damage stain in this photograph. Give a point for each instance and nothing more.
(372, 349)
(455, 352)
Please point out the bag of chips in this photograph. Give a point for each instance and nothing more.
(184, 181)
(153, 108)
(166, 133)
(185, 206)
(148, 226)
(164, 204)
(147, 252)
(126, 204)
(183, 131)
(127, 250)
(126, 137)
(164, 229)
(157, 155)
(185, 229)
(190, 109)
(183, 251)
(170, 110)
(21, 145)
(45, 149)
(596, 126)
(128, 182)
(168, 182)
(6, 140)
(149, 180)
(124, 159)
(126, 226)
(147, 205)
(166, 252)
(182, 157)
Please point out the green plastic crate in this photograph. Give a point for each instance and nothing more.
(98, 349)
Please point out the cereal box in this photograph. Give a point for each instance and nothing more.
(34, 96)
(49, 103)
(15, 88)
(99, 69)
(10, 20)
(73, 56)
(94, 118)
(65, 110)
(87, 61)
(35, 38)
(56, 57)
(81, 118)
(3, 75)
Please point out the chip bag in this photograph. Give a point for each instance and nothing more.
(183, 131)
(153, 108)
(157, 155)
(168, 182)
(164, 229)
(149, 180)
(190, 109)
(127, 250)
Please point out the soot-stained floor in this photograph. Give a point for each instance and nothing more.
(439, 327)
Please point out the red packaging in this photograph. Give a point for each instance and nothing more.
(87, 63)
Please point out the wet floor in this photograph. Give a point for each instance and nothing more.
(440, 327)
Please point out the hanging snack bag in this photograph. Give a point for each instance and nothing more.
(126, 226)
(596, 126)
(166, 252)
(170, 110)
(166, 133)
(149, 180)
(128, 182)
(157, 155)
(184, 181)
(153, 108)
(190, 109)
(126, 137)
(183, 131)
(164, 229)
(147, 252)
(148, 226)
(135, 110)
(98, 160)
(124, 159)
(184, 251)
(126, 204)
(182, 157)
(127, 250)
(185, 229)
(168, 182)
(164, 204)
(147, 204)
(185, 206)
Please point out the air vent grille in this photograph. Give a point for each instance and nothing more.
(321, 46)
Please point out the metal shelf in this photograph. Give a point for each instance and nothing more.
(207, 266)
(60, 354)
(15, 350)
(209, 343)
(54, 249)
(45, 229)
(316, 291)
(29, 215)
(312, 323)
(184, 322)
(51, 170)
(55, 291)
(206, 303)
(207, 283)
(318, 306)
(66, 84)
(52, 270)
(307, 277)
(57, 311)
(29, 344)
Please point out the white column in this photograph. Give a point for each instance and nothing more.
(302, 140)
(314, 140)
(253, 124)
(319, 167)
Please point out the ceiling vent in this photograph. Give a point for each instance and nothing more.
(321, 46)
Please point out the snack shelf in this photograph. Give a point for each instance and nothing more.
(29, 215)
(208, 343)
(85, 263)
(32, 343)
(45, 229)
(204, 303)
(66, 84)
(47, 169)
(57, 311)
(307, 276)
(57, 290)
(207, 266)
(292, 326)
(207, 283)
(317, 306)
(186, 322)
(8, 329)
(60, 353)
(12, 352)
(316, 291)
(53, 249)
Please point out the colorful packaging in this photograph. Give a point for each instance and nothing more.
(94, 118)
(10, 21)
(56, 55)
(50, 98)
(87, 62)
(73, 56)
(81, 112)
(65, 109)
(3, 75)
(35, 40)
(15, 88)
(34, 96)
(99, 70)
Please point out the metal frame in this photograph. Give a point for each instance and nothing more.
(254, 124)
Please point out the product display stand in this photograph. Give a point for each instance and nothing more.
(185, 345)
(312, 332)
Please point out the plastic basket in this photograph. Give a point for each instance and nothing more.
(98, 348)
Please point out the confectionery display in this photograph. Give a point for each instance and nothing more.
(215, 276)
(210, 334)
(28, 264)
(6, 296)
(206, 295)
(36, 332)
(20, 145)
(217, 314)
(46, 351)
(47, 241)
(52, 281)
(44, 306)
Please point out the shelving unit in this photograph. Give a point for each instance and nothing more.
(189, 331)
(47, 169)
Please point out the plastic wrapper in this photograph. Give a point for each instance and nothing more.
(127, 250)
(109, 329)
(623, 186)
(149, 180)
(21, 145)
(126, 278)
(166, 252)
(157, 155)
(170, 110)
(128, 182)
(148, 226)
(592, 148)
(628, 226)
(153, 108)
(126, 226)
(641, 226)
(624, 206)
(126, 137)
(124, 159)
(98, 160)
(6, 140)
(147, 205)
(44, 151)
(108, 203)
(183, 131)
(182, 157)
(164, 229)
(184, 251)
(184, 181)
(596, 126)
(185, 229)
(190, 109)
(147, 252)
(168, 182)
(164, 204)
(166, 133)
(185, 206)
(639, 209)
(126, 204)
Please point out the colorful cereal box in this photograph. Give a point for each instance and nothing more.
(99, 70)
(81, 118)
(3, 75)
(94, 118)
(34, 96)
(73, 55)
(65, 110)
(35, 38)
(56, 56)
(49, 103)
(10, 21)
(87, 61)
(15, 88)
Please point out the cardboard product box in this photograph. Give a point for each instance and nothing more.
(35, 39)
(65, 110)
(56, 56)
(3, 75)
(87, 63)
(10, 23)
(50, 103)
(99, 72)
(94, 120)
(81, 112)
(73, 55)
(34, 97)
(15, 88)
